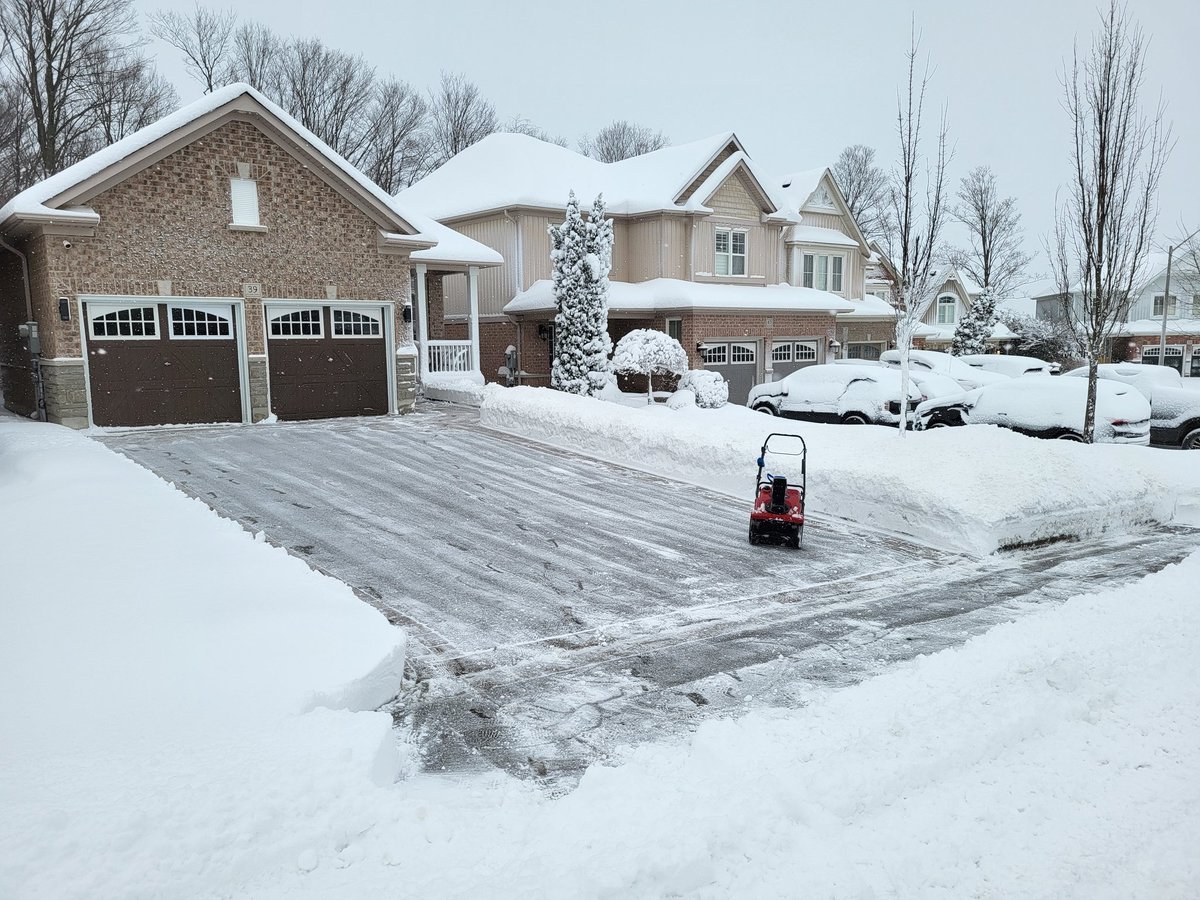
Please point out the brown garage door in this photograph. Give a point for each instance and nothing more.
(327, 361)
(162, 363)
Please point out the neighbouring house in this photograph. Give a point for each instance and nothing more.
(220, 265)
(747, 272)
(1138, 338)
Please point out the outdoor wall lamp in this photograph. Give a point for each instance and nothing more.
(406, 314)
(64, 309)
(543, 331)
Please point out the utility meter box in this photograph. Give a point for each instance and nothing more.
(29, 331)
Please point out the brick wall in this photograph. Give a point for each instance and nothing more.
(169, 222)
(700, 327)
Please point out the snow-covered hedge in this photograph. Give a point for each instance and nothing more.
(975, 488)
(710, 388)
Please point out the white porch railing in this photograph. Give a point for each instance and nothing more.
(450, 357)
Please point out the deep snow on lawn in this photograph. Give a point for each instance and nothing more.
(973, 488)
(180, 704)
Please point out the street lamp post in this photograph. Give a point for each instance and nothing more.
(1162, 344)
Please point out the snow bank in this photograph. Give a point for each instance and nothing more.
(1053, 757)
(975, 488)
(181, 704)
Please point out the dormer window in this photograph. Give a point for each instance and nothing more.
(730, 252)
(243, 197)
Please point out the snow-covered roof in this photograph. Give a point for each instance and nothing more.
(1153, 327)
(1152, 267)
(944, 334)
(509, 170)
(799, 186)
(1021, 306)
(45, 201)
(813, 234)
(869, 308)
(672, 294)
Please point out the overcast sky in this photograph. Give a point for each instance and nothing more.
(797, 81)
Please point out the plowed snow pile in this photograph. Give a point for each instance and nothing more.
(975, 489)
(178, 702)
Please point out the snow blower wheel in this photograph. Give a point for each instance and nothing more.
(778, 513)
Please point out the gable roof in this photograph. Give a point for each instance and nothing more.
(59, 198)
(503, 171)
(798, 188)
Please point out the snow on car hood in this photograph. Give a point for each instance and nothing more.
(867, 379)
(1045, 404)
(943, 364)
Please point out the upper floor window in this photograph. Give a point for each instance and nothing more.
(947, 307)
(243, 194)
(1172, 305)
(823, 272)
(730, 252)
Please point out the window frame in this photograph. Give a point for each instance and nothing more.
(676, 322)
(811, 263)
(98, 310)
(807, 345)
(708, 348)
(365, 313)
(275, 313)
(952, 305)
(750, 346)
(731, 256)
(233, 204)
(789, 346)
(229, 320)
(1159, 301)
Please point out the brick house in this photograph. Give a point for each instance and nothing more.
(746, 271)
(219, 265)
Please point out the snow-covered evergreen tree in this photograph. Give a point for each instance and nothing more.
(646, 351)
(974, 329)
(582, 258)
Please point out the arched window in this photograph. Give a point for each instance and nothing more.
(947, 306)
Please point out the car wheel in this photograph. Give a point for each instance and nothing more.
(937, 423)
(1191, 440)
(766, 408)
(755, 538)
(855, 419)
(1072, 436)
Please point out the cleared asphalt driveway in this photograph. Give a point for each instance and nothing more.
(562, 606)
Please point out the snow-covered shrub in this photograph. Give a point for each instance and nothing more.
(710, 388)
(648, 352)
(582, 259)
(974, 328)
(681, 399)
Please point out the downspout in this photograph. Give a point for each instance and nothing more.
(34, 358)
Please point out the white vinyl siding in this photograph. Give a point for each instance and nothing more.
(243, 193)
(730, 252)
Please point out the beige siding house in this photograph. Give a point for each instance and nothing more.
(748, 272)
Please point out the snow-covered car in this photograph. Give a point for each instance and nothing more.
(1012, 366)
(1045, 408)
(931, 384)
(1174, 410)
(942, 364)
(853, 395)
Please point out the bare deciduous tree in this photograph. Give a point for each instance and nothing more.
(329, 91)
(865, 187)
(397, 151)
(917, 202)
(1104, 227)
(994, 258)
(521, 125)
(128, 94)
(204, 37)
(18, 148)
(459, 117)
(620, 140)
(56, 49)
(253, 54)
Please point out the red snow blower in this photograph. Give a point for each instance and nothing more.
(778, 514)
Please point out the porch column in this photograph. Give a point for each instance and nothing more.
(422, 323)
(473, 299)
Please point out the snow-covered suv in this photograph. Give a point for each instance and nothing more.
(1174, 410)
(852, 395)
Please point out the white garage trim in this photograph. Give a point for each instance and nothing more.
(239, 319)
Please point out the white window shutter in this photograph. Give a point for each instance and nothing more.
(244, 194)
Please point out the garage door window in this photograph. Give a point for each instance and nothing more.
(806, 351)
(781, 352)
(124, 322)
(352, 323)
(742, 354)
(189, 323)
(715, 354)
(297, 323)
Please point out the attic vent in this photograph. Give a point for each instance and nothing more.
(244, 195)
